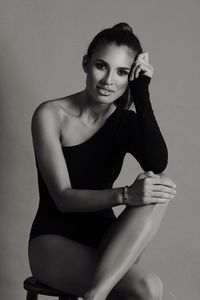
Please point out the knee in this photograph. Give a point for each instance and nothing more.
(151, 287)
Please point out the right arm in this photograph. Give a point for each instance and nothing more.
(52, 164)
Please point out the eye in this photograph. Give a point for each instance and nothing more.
(100, 66)
(122, 73)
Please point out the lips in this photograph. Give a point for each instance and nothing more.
(105, 89)
(104, 92)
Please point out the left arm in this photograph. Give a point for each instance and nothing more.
(148, 146)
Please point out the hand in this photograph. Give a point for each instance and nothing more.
(149, 188)
(141, 64)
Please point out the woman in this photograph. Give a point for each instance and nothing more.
(76, 243)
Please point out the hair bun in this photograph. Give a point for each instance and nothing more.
(123, 26)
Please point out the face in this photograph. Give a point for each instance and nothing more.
(107, 72)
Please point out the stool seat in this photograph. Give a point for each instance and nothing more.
(34, 288)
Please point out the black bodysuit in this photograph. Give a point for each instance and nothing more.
(96, 164)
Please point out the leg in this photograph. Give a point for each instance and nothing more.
(137, 284)
(69, 266)
(62, 264)
(122, 245)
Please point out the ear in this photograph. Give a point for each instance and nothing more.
(85, 63)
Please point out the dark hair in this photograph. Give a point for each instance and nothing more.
(120, 34)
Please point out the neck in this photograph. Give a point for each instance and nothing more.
(93, 111)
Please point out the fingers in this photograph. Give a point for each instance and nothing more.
(163, 181)
(158, 196)
(152, 174)
(146, 57)
(156, 200)
(145, 69)
(141, 64)
(141, 176)
(148, 174)
(158, 187)
(143, 57)
(163, 195)
(150, 188)
(158, 180)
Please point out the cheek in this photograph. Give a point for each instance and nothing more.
(97, 75)
(122, 84)
(94, 74)
(92, 78)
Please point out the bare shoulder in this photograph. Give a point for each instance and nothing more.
(55, 121)
(53, 111)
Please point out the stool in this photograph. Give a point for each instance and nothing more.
(35, 288)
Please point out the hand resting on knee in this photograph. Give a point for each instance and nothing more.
(150, 188)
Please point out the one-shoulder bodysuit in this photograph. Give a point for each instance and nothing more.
(96, 163)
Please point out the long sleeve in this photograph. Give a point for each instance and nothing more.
(145, 142)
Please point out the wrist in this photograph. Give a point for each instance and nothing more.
(123, 195)
(140, 82)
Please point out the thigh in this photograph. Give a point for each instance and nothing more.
(62, 263)
(69, 266)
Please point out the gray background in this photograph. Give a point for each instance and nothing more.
(41, 47)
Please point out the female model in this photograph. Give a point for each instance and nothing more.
(77, 244)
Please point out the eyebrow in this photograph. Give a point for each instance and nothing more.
(124, 68)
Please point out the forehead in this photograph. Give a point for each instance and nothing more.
(115, 55)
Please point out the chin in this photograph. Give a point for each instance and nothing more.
(104, 100)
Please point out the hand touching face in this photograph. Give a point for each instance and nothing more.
(141, 64)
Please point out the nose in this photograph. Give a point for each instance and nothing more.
(107, 79)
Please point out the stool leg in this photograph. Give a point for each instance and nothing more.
(31, 295)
